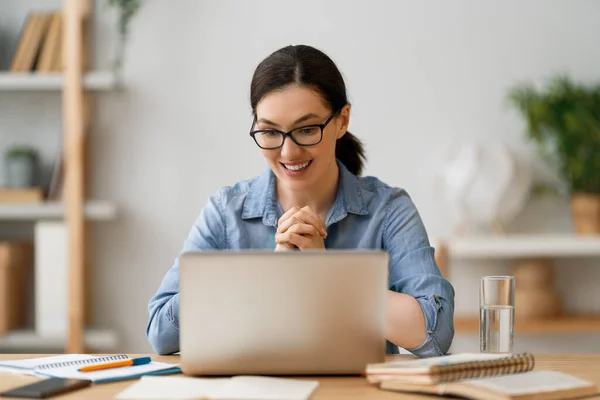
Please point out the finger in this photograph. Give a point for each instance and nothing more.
(300, 241)
(283, 243)
(286, 216)
(311, 217)
(302, 220)
(312, 212)
(280, 238)
(304, 229)
(288, 223)
(285, 247)
(283, 239)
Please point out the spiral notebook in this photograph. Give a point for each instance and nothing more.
(67, 366)
(478, 377)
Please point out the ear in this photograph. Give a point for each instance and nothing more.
(344, 121)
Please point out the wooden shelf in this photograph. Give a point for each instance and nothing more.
(96, 339)
(566, 324)
(93, 210)
(75, 87)
(96, 80)
(522, 246)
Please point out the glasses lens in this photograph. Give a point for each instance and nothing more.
(269, 139)
(307, 135)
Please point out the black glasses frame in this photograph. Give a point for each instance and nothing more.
(286, 134)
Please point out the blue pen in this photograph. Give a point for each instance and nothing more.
(117, 364)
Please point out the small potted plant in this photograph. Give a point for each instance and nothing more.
(21, 167)
(564, 121)
(127, 10)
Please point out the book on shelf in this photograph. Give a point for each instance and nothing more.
(21, 195)
(32, 42)
(16, 269)
(478, 377)
(40, 44)
(50, 59)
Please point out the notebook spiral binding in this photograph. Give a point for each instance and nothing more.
(95, 360)
(517, 363)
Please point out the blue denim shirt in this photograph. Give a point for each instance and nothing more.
(366, 214)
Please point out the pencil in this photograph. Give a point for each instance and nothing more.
(117, 364)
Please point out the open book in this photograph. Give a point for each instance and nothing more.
(237, 387)
(67, 366)
(478, 377)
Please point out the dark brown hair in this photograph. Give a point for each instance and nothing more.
(307, 66)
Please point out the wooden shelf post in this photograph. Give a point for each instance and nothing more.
(74, 124)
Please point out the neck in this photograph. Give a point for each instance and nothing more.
(320, 197)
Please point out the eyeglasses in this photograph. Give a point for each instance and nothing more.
(309, 135)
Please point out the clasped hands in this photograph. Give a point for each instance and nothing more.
(300, 228)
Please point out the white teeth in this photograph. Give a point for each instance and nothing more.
(296, 167)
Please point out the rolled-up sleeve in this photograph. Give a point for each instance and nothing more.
(413, 271)
(208, 232)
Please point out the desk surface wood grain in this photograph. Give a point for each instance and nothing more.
(586, 366)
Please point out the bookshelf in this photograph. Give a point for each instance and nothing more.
(95, 80)
(517, 247)
(29, 340)
(521, 245)
(559, 325)
(95, 210)
(65, 72)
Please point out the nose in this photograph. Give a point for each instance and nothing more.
(290, 150)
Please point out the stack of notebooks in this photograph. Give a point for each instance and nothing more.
(478, 377)
(68, 365)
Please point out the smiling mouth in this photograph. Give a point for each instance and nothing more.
(296, 167)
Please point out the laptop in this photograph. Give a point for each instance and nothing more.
(282, 313)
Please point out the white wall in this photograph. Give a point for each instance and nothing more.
(420, 74)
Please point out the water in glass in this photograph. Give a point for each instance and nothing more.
(496, 329)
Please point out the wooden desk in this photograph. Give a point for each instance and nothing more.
(338, 388)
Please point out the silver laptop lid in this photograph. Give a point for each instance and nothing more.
(280, 313)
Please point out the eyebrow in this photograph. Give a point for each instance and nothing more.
(299, 120)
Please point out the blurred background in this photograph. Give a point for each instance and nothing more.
(453, 101)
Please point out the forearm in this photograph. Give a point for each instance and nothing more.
(163, 327)
(405, 325)
(207, 233)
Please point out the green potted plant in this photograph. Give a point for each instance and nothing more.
(127, 9)
(563, 119)
(21, 167)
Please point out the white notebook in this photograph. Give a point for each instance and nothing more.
(533, 385)
(237, 387)
(66, 366)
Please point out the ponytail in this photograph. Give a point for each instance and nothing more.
(349, 150)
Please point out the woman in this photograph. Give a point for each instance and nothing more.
(311, 198)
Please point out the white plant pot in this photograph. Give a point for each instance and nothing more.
(20, 172)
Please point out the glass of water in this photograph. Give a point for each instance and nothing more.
(496, 314)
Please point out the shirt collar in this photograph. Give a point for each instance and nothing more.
(261, 200)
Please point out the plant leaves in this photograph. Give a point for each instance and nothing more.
(564, 122)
